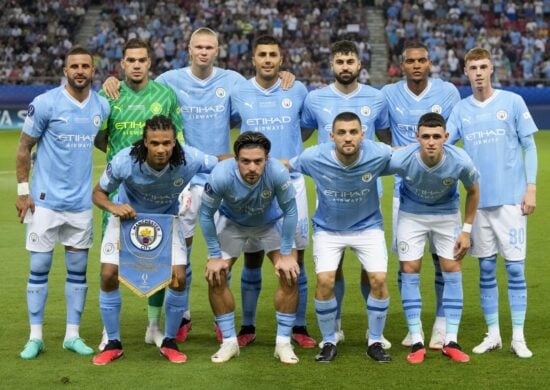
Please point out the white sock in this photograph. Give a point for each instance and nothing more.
(440, 323)
(36, 331)
(517, 334)
(72, 331)
(494, 332)
(450, 337)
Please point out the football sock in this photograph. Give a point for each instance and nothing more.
(339, 291)
(365, 290)
(37, 286)
(173, 312)
(412, 303)
(154, 307)
(517, 295)
(302, 298)
(75, 284)
(488, 292)
(188, 281)
(377, 311)
(110, 304)
(226, 322)
(326, 312)
(251, 286)
(438, 285)
(453, 301)
(285, 322)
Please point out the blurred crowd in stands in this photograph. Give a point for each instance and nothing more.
(35, 35)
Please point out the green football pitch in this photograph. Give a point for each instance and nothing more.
(142, 366)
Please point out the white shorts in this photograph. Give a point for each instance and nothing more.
(414, 230)
(110, 246)
(368, 245)
(301, 237)
(500, 230)
(233, 237)
(189, 219)
(395, 213)
(47, 226)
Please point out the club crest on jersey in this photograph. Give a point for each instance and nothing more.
(220, 92)
(448, 181)
(266, 194)
(146, 234)
(502, 115)
(33, 237)
(97, 120)
(30, 110)
(403, 247)
(286, 103)
(365, 111)
(178, 182)
(366, 177)
(156, 108)
(108, 248)
(437, 109)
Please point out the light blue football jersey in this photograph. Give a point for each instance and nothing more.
(406, 108)
(322, 105)
(65, 129)
(273, 112)
(205, 107)
(148, 190)
(491, 132)
(432, 190)
(260, 204)
(347, 195)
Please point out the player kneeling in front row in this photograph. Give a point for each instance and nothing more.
(244, 191)
(348, 215)
(429, 209)
(151, 175)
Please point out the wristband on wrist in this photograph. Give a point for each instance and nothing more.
(467, 228)
(23, 189)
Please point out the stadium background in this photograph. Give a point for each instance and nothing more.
(35, 35)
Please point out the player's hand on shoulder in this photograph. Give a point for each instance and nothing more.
(123, 211)
(111, 87)
(287, 268)
(287, 79)
(216, 270)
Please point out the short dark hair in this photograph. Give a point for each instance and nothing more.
(346, 117)
(265, 40)
(250, 140)
(76, 50)
(136, 43)
(344, 47)
(158, 123)
(414, 45)
(431, 119)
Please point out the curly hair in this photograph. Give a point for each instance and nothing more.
(158, 123)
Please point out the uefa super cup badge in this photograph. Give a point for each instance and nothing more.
(146, 234)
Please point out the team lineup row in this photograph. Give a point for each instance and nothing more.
(423, 116)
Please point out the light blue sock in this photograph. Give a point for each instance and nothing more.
(517, 292)
(488, 289)
(37, 285)
(339, 291)
(377, 311)
(285, 322)
(251, 286)
(326, 318)
(439, 283)
(188, 281)
(412, 302)
(174, 305)
(109, 305)
(453, 300)
(226, 322)
(302, 298)
(75, 284)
